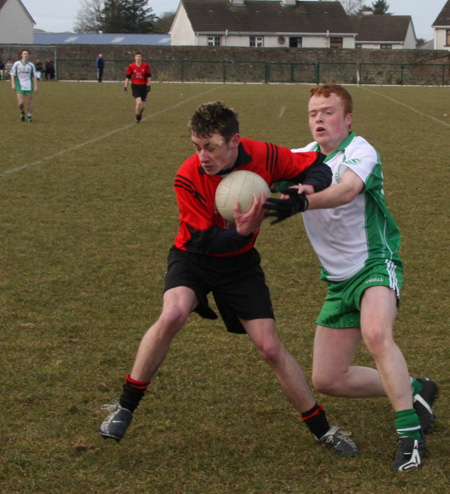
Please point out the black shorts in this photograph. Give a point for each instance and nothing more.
(139, 91)
(237, 283)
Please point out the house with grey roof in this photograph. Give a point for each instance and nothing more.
(16, 23)
(262, 23)
(388, 32)
(441, 28)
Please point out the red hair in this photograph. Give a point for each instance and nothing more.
(327, 89)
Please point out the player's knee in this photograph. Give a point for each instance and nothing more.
(377, 341)
(324, 383)
(172, 318)
(271, 351)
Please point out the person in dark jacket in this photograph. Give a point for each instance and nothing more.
(100, 65)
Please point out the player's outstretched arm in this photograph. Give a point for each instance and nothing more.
(281, 209)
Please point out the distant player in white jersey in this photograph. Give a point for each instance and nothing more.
(24, 82)
(357, 241)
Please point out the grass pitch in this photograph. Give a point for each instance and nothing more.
(87, 216)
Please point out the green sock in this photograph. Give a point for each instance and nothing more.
(407, 424)
(416, 386)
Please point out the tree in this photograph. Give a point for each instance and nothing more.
(89, 17)
(351, 6)
(113, 17)
(140, 17)
(164, 23)
(380, 7)
(127, 16)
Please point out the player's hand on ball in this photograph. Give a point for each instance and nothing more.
(283, 208)
(149, 88)
(249, 222)
(125, 89)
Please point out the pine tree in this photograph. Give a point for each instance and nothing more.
(113, 17)
(127, 16)
(140, 17)
(380, 7)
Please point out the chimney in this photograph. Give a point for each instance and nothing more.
(366, 11)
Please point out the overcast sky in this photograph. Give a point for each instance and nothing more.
(60, 15)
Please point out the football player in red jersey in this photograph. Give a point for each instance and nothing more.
(140, 75)
(211, 255)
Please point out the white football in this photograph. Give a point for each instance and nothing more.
(239, 186)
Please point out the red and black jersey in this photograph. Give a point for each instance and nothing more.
(202, 229)
(138, 73)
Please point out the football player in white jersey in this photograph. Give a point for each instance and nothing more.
(357, 241)
(24, 82)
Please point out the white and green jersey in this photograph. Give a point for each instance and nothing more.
(346, 238)
(23, 74)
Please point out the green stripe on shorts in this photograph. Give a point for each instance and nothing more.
(341, 308)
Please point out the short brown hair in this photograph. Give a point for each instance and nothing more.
(327, 89)
(213, 117)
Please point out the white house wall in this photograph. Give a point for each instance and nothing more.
(270, 41)
(410, 39)
(440, 35)
(15, 25)
(181, 32)
(377, 46)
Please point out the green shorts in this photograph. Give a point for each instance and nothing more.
(341, 308)
(21, 91)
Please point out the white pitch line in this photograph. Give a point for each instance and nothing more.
(99, 138)
(282, 112)
(407, 106)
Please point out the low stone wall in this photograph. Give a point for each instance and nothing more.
(228, 64)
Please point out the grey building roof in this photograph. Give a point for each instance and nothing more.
(443, 19)
(381, 28)
(211, 16)
(101, 39)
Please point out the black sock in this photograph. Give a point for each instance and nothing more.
(316, 421)
(132, 393)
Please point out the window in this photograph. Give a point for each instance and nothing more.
(336, 42)
(256, 41)
(447, 37)
(213, 40)
(295, 42)
(386, 46)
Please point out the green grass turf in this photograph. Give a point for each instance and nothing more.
(87, 216)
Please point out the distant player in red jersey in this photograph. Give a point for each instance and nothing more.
(140, 75)
(212, 255)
